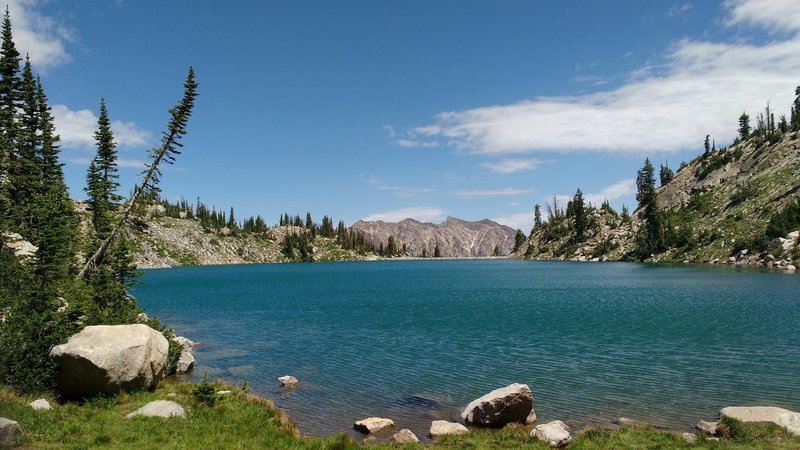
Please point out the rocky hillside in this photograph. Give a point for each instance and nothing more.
(719, 206)
(455, 238)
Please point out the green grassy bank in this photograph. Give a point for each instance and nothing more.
(242, 421)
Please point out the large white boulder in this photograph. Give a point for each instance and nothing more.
(107, 359)
(373, 424)
(512, 403)
(555, 433)
(40, 405)
(442, 427)
(159, 408)
(783, 417)
(10, 432)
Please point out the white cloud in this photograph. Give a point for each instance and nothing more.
(522, 221)
(400, 191)
(679, 10)
(616, 191)
(422, 214)
(700, 88)
(416, 143)
(513, 165)
(476, 193)
(77, 128)
(42, 37)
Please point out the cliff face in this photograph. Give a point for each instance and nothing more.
(719, 204)
(456, 238)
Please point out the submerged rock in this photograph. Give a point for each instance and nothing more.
(779, 416)
(288, 381)
(106, 359)
(442, 427)
(159, 408)
(372, 424)
(709, 428)
(555, 433)
(512, 403)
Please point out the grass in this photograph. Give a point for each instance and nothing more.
(242, 421)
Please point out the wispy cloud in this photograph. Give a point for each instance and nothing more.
(400, 191)
(412, 139)
(77, 128)
(679, 10)
(132, 163)
(479, 193)
(616, 191)
(700, 88)
(513, 165)
(522, 221)
(422, 214)
(40, 36)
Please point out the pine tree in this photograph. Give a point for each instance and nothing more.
(707, 145)
(578, 214)
(437, 253)
(665, 175)
(651, 237)
(101, 179)
(9, 81)
(519, 239)
(744, 127)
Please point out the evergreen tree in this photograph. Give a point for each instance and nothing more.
(519, 239)
(496, 251)
(537, 218)
(101, 178)
(437, 253)
(578, 214)
(707, 145)
(665, 174)
(795, 114)
(391, 246)
(9, 81)
(651, 237)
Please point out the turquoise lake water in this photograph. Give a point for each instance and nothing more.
(415, 341)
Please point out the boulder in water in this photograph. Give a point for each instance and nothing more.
(512, 403)
(404, 436)
(372, 424)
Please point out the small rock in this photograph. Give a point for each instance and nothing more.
(442, 427)
(288, 382)
(531, 419)
(404, 436)
(790, 268)
(142, 318)
(40, 405)
(793, 235)
(10, 432)
(555, 433)
(709, 428)
(188, 344)
(225, 392)
(372, 424)
(159, 408)
(732, 260)
(370, 440)
(689, 437)
(185, 362)
(628, 422)
(172, 394)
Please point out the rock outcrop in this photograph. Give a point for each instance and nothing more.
(512, 403)
(456, 238)
(106, 359)
(442, 427)
(159, 408)
(372, 424)
(779, 416)
(10, 432)
(555, 433)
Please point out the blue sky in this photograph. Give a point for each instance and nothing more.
(393, 109)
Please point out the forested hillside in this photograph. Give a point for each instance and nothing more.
(735, 205)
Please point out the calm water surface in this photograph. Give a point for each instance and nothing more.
(417, 340)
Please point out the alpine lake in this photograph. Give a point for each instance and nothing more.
(415, 341)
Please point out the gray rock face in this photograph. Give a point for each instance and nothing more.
(185, 362)
(442, 427)
(10, 432)
(512, 403)
(159, 408)
(779, 416)
(40, 405)
(455, 238)
(288, 382)
(404, 436)
(372, 424)
(555, 433)
(709, 428)
(110, 358)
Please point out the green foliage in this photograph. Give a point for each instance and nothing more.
(519, 240)
(784, 221)
(298, 247)
(174, 354)
(605, 247)
(204, 393)
(665, 175)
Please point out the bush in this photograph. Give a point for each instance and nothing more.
(785, 221)
(204, 393)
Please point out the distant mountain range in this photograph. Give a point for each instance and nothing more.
(456, 238)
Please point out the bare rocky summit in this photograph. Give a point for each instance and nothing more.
(456, 238)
